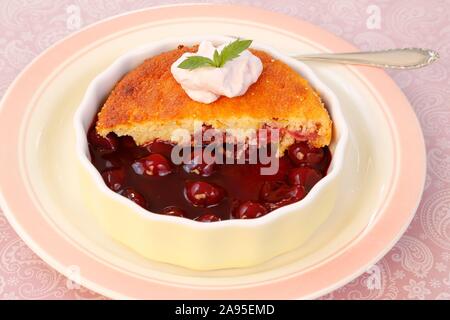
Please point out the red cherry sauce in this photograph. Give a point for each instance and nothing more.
(207, 193)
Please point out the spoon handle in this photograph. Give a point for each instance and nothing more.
(408, 58)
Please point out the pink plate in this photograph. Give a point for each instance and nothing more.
(24, 215)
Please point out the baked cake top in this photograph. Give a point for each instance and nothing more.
(150, 96)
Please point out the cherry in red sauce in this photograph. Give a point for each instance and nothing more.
(301, 154)
(114, 178)
(203, 194)
(102, 144)
(207, 217)
(111, 161)
(304, 176)
(198, 165)
(152, 165)
(249, 210)
(173, 211)
(243, 192)
(276, 194)
(134, 196)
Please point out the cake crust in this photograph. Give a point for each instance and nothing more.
(148, 101)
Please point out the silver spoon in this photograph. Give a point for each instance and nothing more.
(408, 58)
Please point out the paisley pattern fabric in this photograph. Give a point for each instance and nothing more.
(418, 267)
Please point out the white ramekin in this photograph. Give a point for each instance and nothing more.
(192, 244)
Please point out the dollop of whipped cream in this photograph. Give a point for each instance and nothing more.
(207, 84)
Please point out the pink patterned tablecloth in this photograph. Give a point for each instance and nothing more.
(418, 267)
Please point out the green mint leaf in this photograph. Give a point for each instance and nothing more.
(195, 62)
(229, 52)
(217, 59)
(233, 50)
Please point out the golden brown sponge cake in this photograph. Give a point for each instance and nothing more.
(148, 104)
